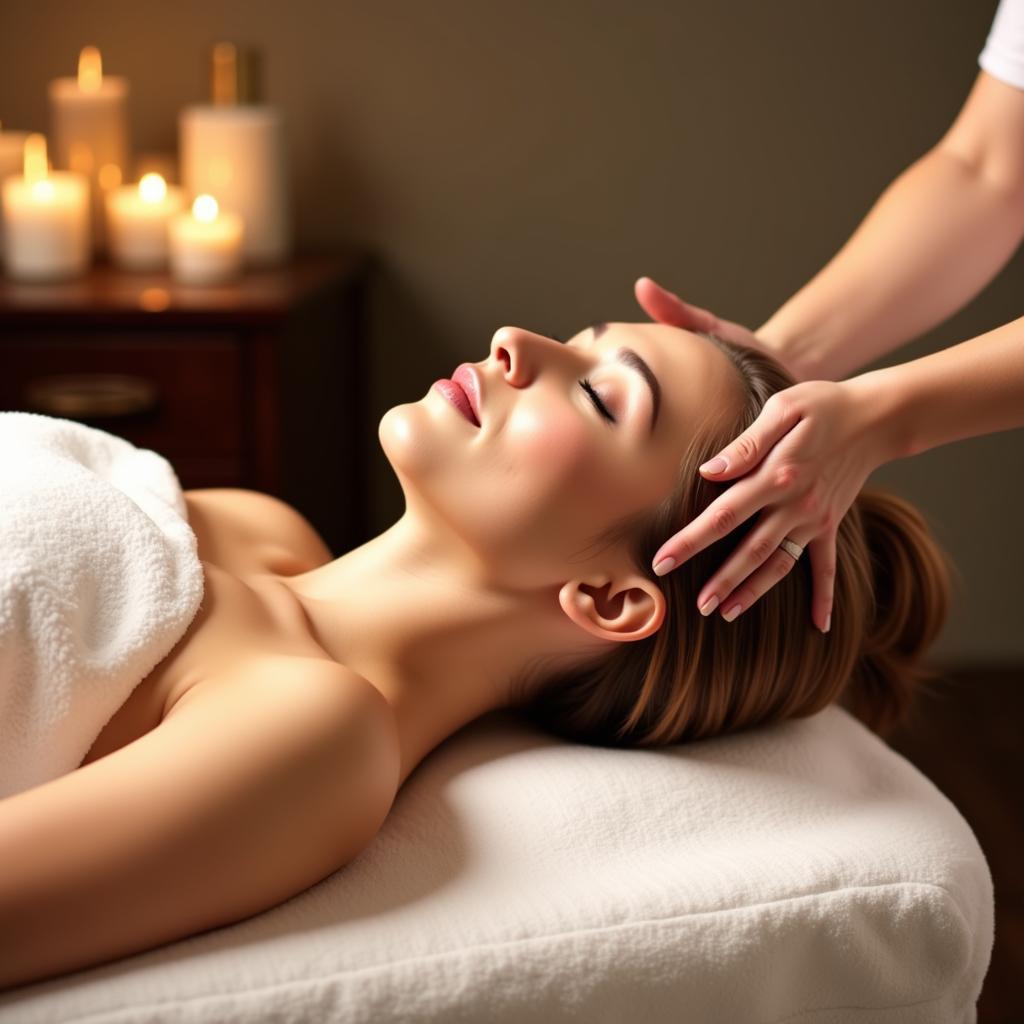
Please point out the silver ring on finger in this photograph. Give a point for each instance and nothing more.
(791, 547)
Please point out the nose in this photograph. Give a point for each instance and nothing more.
(519, 350)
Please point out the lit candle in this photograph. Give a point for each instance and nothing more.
(46, 219)
(89, 121)
(235, 148)
(163, 163)
(206, 244)
(137, 218)
(12, 161)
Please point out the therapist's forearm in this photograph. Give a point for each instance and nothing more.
(935, 237)
(974, 388)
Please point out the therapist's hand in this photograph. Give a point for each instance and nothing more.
(801, 463)
(667, 308)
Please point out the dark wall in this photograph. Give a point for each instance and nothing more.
(522, 163)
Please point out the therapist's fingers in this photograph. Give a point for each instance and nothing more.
(760, 562)
(667, 308)
(778, 417)
(661, 305)
(822, 551)
(722, 516)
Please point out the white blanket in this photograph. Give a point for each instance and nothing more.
(99, 578)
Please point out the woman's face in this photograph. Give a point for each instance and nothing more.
(546, 470)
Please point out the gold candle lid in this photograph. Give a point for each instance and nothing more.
(234, 75)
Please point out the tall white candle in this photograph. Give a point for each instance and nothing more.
(205, 244)
(12, 161)
(238, 154)
(89, 121)
(46, 219)
(137, 219)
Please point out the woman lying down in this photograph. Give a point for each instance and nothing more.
(265, 750)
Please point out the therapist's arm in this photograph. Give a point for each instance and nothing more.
(937, 235)
(974, 388)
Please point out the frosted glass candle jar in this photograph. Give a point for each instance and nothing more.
(46, 220)
(89, 130)
(237, 153)
(206, 243)
(137, 219)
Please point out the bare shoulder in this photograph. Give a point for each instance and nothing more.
(254, 787)
(242, 529)
(313, 705)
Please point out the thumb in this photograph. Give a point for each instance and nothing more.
(748, 449)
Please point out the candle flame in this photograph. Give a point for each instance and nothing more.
(152, 187)
(42, 190)
(35, 158)
(90, 69)
(205, 208)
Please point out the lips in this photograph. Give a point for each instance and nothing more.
(466, 378)
(458, 397)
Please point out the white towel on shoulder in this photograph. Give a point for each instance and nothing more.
(99, 578)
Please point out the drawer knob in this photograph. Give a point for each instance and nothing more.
(88, 395)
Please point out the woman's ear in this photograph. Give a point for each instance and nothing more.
(627, 607)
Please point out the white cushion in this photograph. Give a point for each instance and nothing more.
(803, 871)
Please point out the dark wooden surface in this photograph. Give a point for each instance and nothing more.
(966, 737)
(260, 383)
(107, 295)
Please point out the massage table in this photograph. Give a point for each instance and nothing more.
(801, 872)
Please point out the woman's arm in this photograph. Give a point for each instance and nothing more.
(937, 235)
(247, 793)
(976, 387)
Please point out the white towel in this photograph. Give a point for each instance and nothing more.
(99, 578)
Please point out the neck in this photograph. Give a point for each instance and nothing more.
(421, 622)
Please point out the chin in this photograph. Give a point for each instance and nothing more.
(412, 442)
(402, 424)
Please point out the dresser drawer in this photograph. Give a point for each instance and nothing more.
(179, 394)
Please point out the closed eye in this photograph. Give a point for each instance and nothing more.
(596, 399)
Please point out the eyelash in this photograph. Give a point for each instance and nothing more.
(596, 399)
(588, 387)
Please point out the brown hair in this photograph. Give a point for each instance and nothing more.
(697, 677)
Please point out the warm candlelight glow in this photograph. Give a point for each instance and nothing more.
(43, 190)
(137, 219)
(90, 69)
(109, 176)
(205, 208)
(35, 158)
(206, 243)
(45, 217)
(153, 300)
(80, 158)
(152, 187)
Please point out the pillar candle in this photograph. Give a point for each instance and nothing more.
(89, 120)
(137, 219)
(46, 219)
(12, 161)
(237, 153)
(206, 243)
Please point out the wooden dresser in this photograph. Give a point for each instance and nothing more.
(257, 384)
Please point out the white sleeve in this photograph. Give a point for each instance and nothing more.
(1003, 55)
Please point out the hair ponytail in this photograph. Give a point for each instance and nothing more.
(910, 596)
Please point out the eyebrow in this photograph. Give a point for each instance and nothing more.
(634, 361)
